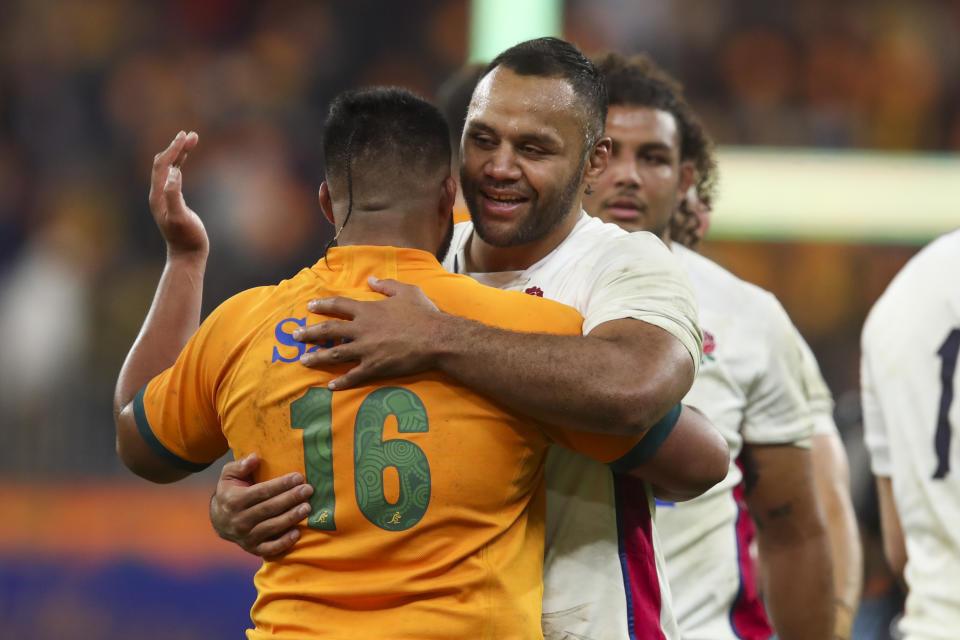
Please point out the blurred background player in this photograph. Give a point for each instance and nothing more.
(910, 384)
(534, 135)
(755, 391)
(448, 545)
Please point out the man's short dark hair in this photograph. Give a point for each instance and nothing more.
(453, 98)
(370, 128)
(555, 58)
(637, 81)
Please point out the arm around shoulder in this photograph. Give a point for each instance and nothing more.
(692, 458)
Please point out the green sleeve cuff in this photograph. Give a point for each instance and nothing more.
(649, 444)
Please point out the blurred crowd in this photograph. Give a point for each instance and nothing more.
(89, 91)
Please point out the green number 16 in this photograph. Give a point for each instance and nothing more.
(371, 456)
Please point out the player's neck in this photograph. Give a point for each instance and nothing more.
(484, 258)
(383, 229)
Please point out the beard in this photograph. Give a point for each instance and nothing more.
(547, 210)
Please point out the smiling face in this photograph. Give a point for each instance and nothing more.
(524, 157)
(645, 179)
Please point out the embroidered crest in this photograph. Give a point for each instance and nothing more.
(709, 344)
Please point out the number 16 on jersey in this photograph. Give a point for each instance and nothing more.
(313, 413)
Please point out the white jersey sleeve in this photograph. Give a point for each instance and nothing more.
(818, 393)
(911, 412)
(874, 427)
(637, 277)
(777, 411)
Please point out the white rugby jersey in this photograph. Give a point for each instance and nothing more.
(750, 386)
(911, 412)
(603, 573)
(818, 393)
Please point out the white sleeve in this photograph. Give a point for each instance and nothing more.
(638, 277)
(818, 393)
(874, 428)
(777, 410)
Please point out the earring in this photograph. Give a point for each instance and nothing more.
(589, 190)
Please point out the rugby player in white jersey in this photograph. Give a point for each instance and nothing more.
(757, 383)
(533, 137)
(910, 385)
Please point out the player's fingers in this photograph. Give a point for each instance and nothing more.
(357, 376)
(336, 306)
(240, 469)
(333, 356)
(267, 499)
(388, 286)
(161, 164)
(276, 526)
(189, 144)
(324, 331)
(277, 546)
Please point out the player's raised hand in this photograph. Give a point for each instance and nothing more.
(260, 517)
(180, 226)
(389, 338)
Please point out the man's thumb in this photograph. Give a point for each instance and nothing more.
(387, 286)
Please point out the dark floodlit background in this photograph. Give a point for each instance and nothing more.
(89, 91)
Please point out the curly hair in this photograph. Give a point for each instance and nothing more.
(637, 81)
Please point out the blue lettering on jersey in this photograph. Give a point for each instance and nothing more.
(663, 503)
(285, 338)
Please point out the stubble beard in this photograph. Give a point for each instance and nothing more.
(545, 213)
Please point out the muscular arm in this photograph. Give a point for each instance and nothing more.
(894, 547)
(620, 379)
(795, 565)
(174, 314)
(693, 458)
(832, 476)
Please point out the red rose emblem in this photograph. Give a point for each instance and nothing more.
(709, 344)
(534, 291)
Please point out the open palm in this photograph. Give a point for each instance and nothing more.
(180, 225)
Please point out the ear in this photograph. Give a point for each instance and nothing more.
(326, 205)
(598, 158)
(448, 197)
(688, 177)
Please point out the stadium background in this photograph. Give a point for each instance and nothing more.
(89, 91)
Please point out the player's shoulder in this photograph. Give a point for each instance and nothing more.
(716, 285)
(463, 296)
(258, 303)
(919, 282)
(597, 245)
(245, 302)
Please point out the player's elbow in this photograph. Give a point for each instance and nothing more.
(137, 456)
(701, 472)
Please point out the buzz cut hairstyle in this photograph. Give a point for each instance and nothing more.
(637, 81)
(367, 129)
(556, 58)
